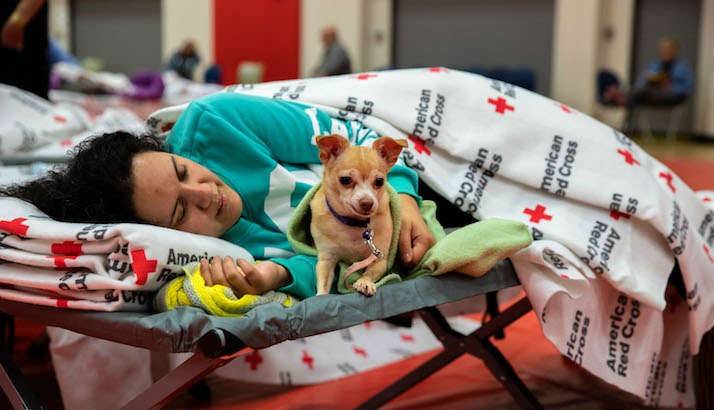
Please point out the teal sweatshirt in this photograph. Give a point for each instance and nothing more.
(265, 150)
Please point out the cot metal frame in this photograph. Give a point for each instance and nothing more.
(217, 349)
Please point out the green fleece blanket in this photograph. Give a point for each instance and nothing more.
(472, 249)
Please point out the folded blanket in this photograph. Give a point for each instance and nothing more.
(219, 300)
(28, 121)
(473, 249)
(87, 266)
(608, 219)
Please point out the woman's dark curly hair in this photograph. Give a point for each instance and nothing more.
(95, 186)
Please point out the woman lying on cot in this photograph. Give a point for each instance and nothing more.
(230, 168)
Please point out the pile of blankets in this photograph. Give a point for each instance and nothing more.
(93, 266)
(608, 219)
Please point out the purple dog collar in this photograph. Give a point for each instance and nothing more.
(359, 223)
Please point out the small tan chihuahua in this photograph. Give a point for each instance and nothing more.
(351, 218)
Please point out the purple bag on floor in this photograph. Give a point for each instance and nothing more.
(148, 85)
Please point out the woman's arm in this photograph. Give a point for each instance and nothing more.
(282, 130)
(13, 32)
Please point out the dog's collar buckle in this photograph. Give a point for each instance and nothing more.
(368, 236)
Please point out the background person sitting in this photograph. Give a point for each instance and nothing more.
(666, 82)
(185, 60)
(335, 60)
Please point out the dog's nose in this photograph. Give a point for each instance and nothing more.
(365, 205)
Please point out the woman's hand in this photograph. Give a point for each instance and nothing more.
(415, 238)
(13, 33)
(242, 276)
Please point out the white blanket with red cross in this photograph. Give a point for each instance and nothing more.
(608, 219)
(90, 266)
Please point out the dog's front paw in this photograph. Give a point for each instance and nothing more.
(365, 286)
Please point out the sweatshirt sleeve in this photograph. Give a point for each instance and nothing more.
(303, 282)
(287, 131)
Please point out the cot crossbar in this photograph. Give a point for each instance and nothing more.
(456, 345)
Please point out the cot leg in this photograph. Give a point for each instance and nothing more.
(15, 387)
(504, 373)
(492, 310)
(455, 345)
(410, 380)
(176, 381)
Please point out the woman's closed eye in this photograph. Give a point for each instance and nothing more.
(182, 174)
(181, 212)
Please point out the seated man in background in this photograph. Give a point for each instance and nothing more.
(667, 81)
(335, 60)
(185, 60)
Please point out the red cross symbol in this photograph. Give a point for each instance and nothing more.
(564, 108)
(707, 199)
(614, 214)
(254, 358)
(419, 145)
(407, 338)
(437, 70)
(62, 303)
(60, 119)
(141, 266)
(167, 127)
(15, 227)
(359, 351)
(537, 214)
(307, 359)
(61, 261)
(628, 157)
(365, 76)
(668, 177)
(708, 253)
(67, 142)
(67, 248)
(501, 105)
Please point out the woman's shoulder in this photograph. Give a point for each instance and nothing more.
(223, 97)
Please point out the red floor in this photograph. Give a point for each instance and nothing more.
(465, 384)
(698, 173)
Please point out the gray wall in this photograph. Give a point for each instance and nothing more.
(476, 33)
(126, 34)
(657, 18)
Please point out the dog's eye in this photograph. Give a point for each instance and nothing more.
(378, 182)
(345, 181)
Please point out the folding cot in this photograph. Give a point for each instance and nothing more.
(216, 341)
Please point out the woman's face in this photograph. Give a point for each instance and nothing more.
(177, 193)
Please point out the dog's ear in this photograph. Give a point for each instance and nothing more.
(389, 149)
(331, 146)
